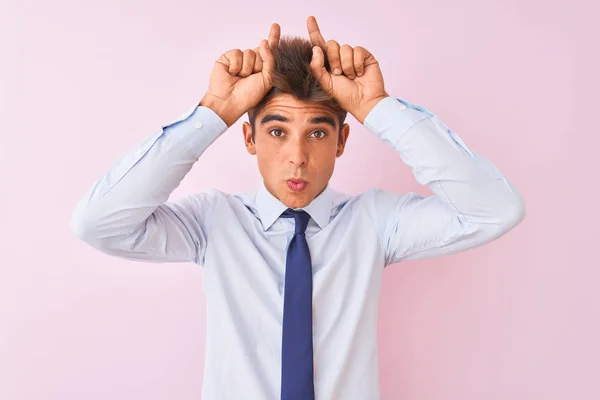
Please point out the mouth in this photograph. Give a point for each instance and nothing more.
(296, 185)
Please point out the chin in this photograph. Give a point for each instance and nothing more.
(295, 199)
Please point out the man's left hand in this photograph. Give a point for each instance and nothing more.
(355, 81)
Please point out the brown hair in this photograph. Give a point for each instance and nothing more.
(292, 75)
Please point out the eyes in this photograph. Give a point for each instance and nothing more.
(318, 134)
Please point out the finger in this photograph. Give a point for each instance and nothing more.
(235, 58)
(314, 32)
(247, 63)
(333, 56)
(258, 64)
(347, 56)
(317, 65)
(267, 58)
(360, 55)
(274, 35)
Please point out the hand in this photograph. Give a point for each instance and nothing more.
(356, 82)
(240, 79)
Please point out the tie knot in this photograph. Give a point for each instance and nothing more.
(301, 217)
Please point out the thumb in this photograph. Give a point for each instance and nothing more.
(268, 60)
(317, 65)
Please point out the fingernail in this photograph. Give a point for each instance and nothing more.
(350, 76)
(337, 71)
(360, 74)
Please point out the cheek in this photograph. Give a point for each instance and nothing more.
(266, 149)
(326, 169)
(325, 157)
(268, 161)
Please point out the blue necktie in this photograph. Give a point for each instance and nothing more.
(297, 344)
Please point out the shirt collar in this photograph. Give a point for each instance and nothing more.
(270, 208)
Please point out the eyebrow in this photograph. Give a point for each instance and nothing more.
(314, 120)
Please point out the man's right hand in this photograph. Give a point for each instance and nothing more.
(240, 79)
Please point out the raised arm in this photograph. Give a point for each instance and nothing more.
(126, 213)
(472, 204)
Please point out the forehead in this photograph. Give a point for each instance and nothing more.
(294, 109)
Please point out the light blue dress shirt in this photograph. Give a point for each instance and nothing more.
(241, 243)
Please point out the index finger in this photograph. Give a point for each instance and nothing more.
(274, 35)
(315, 34)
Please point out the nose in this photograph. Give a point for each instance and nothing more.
(297, 152)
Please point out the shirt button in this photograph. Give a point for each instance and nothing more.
(198, 124)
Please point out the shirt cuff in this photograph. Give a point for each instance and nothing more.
(392, 117)
(197, 129)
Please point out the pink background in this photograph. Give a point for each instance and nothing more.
(84, 81)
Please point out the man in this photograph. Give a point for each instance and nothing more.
(292, 271)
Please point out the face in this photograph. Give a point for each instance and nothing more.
(296, 145)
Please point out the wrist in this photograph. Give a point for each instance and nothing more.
(362, 113)
(220, 107)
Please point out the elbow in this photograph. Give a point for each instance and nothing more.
(99, 234)
(514, 209)
(511, 216)
(518, 214)
(81, 227)
(88, 225)
(85, 229)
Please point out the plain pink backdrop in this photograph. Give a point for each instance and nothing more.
(84, 81)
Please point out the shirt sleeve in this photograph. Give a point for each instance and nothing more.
(472, 204)
(125, 213)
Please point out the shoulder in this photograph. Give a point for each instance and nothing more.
(369, 198)
(382, 204)
(373, 200)
(216, 196)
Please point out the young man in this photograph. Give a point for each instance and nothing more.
(292, 271)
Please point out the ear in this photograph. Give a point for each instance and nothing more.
(247, 131)
(342, 140)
